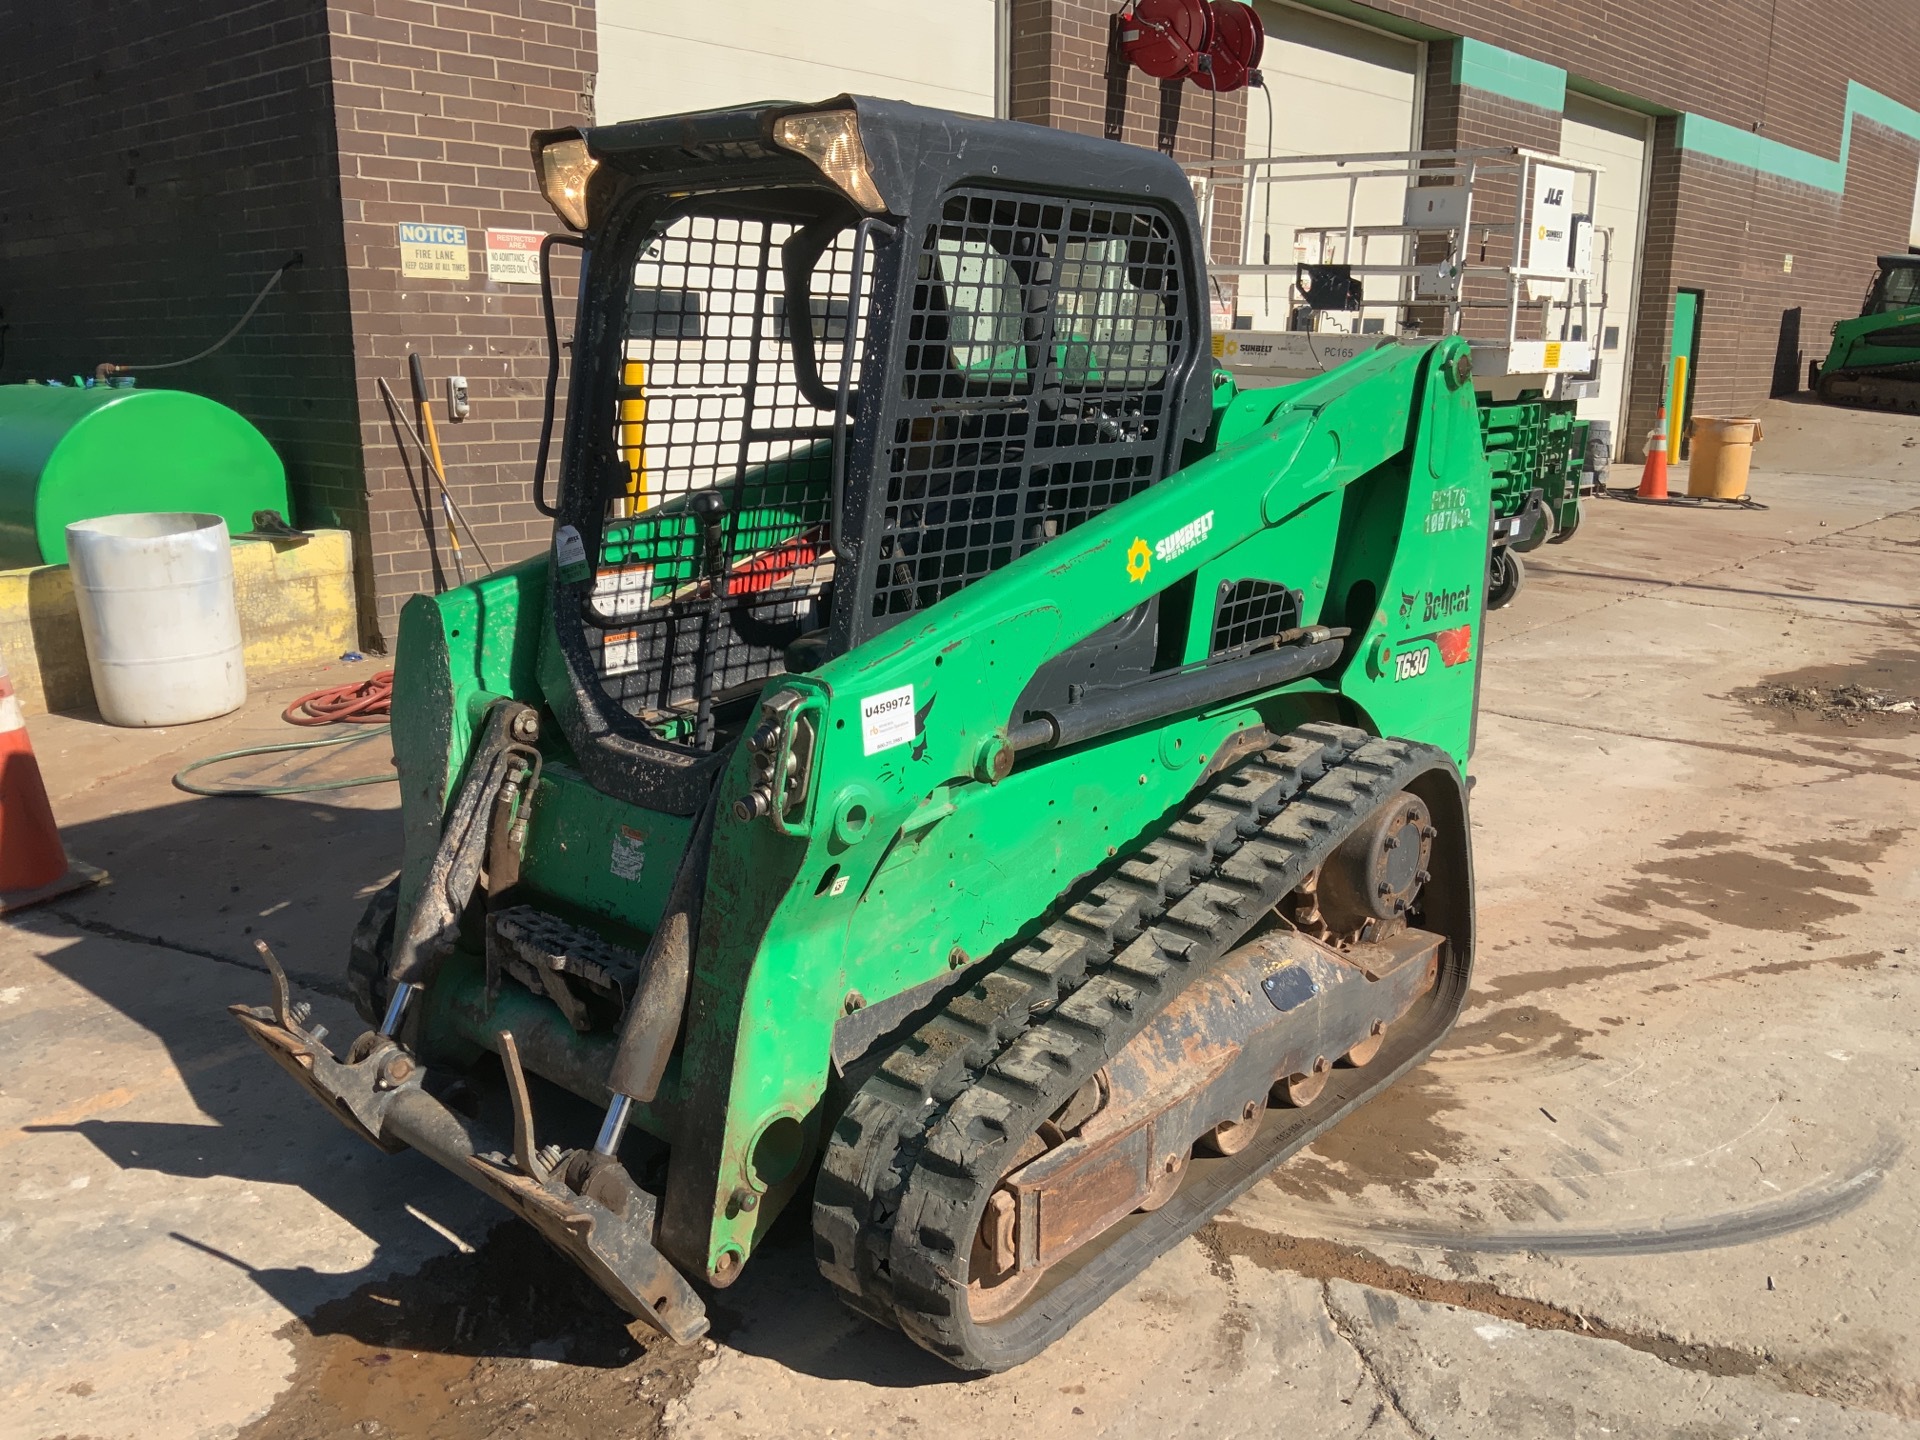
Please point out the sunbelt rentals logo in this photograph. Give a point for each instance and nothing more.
(1140, 558)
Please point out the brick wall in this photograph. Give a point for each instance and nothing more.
(1458, 118)
(1779, 70)
(157, 162)
(435, 103)
(1068, 74)
(1726, 231)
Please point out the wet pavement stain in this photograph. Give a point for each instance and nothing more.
(1850, 1378)
(1533, 982)
(1863, 960)
(1775, 888)
(1330, 1260)
(1518, 1030)
(509, 1340)
(1395, 1140)
(1844, 699)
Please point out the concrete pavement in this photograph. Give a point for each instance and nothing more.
(1658, 1182)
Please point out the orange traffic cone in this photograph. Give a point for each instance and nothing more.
(1653, 475)
(33, 863)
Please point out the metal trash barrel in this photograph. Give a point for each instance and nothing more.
(1721, 455)
(157, 608)
(70, 454)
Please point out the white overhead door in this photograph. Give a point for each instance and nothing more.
(662, 57)
(1331, 88)
(1605, 135)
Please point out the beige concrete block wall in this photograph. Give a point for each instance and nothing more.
(296, 606)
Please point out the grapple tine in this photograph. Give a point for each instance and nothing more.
(526, 1154)
(282, 991)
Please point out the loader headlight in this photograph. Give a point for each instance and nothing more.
(831, 140)
(565, 167)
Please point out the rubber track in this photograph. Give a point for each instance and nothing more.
(912, 1159)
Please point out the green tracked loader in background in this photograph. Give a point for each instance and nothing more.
(1875, 359)
(963, 767)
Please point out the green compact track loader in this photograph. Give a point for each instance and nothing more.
(1875, 359)
(962, 766)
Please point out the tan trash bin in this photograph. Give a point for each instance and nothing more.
(1721, 455)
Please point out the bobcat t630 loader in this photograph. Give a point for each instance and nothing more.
(961, 766)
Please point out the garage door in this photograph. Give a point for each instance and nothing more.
(661, 59)
(1616, 139)
(1332, 88)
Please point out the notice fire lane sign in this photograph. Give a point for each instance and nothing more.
(433, 252)
(513, 256)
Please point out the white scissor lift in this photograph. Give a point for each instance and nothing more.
(1520, 281)
(1494, 245)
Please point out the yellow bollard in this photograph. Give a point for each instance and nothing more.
(633, 435)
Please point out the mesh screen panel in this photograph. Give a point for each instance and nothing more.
(1043, 343)
(1250, 611)
(714, 552)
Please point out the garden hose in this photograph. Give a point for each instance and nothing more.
(359, 703)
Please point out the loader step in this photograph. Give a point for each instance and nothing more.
(902, 1223)
(589, 977)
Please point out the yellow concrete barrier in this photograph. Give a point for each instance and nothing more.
(296, 606)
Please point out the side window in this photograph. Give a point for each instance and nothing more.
(1110, 333)
(1903, 287)
(984, 311)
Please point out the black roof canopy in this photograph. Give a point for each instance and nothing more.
(914, 154)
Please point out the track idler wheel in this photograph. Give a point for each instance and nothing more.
(997, 1286)
(1300, 1091)
(1230, 1137)
(1363, 1053)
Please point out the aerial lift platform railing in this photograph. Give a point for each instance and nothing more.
(1549, 259)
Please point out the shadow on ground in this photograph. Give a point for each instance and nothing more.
(195, 882)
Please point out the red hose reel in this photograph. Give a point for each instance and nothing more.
(1214, 43)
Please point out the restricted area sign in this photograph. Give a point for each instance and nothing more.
(433, 252)
(513, 256)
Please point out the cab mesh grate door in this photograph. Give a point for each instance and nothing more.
(1037, 390)
(715, 554)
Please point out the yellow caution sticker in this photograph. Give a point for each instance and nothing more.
(1553, 355)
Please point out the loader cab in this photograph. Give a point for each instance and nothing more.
(831, 364)
(1896, 285)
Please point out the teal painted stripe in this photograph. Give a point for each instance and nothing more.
(1481, 66)
(1770, 157)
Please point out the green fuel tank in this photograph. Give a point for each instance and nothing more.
(70, 454)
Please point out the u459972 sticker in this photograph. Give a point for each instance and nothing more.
(886, 720)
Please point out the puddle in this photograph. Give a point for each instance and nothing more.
(509, 1340)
